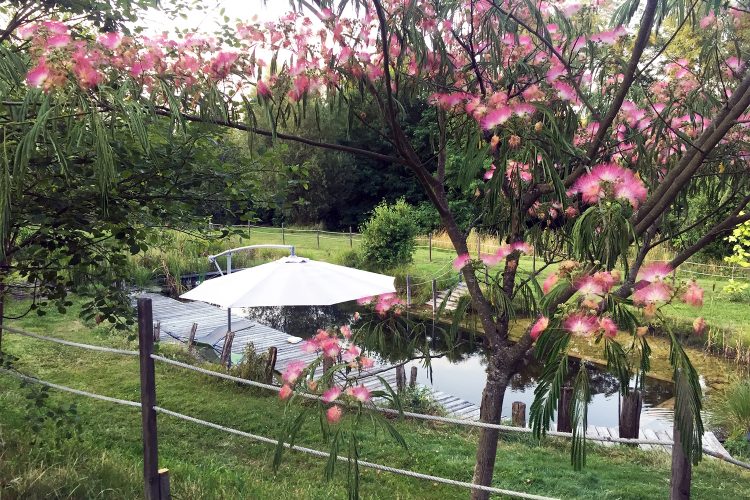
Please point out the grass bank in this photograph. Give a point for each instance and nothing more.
(103, 460)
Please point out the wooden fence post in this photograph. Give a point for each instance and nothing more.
(400, 378)
(413, 377)
(226, 351)
(351, 236)
(518, 414)
(563, 410)
(148, 400)
(429, 236)
(327, 364)
(682, 469)
(630, 415)
(157, 331)
(318, 235)
(283, 236)
(191, 338)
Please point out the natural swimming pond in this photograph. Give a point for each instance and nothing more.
(461, 372)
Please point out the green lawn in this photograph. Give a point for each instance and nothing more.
(104, 461)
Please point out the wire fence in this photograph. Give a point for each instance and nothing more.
(152, 476)
(275, 388)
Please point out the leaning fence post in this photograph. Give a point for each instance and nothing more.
(148, 400)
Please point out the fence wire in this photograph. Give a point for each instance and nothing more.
(68, 342)
(421, 416)
(361, 463)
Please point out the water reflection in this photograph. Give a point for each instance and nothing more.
(458, 361)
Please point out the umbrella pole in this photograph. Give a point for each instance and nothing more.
(229, 309)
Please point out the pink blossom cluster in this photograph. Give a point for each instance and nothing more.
(610, 181)
(333, 344)
(384, 303)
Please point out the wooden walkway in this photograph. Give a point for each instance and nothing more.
(176, 319)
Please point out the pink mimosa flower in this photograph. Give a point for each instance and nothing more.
(351, 353)
(699, 326)
(693, 295)
(496, 117)
(364, 300)
(708, 21)
(654, 292)
(285, 391)
(461, 261)
(550, 282)
(321, 336)
(333, 414)
(489, 173)
(38, 74)
(581, 325)
(58, 41)
(608, 326)
(606, 279)
(263, 89)
(656, 271)
(331, 394)
(310, 346)
(331, 348)
(521, 246)
(589, 287)
(110, 40)
(360, 393)
(346, 330)
(541, 324)
(365, 362)
(293, 371)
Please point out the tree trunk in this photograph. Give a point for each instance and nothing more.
(490, 412)
(2, 312)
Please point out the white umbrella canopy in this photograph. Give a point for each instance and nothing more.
(291, 281)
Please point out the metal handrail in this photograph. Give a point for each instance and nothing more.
(228, 253)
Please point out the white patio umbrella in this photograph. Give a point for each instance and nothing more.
(291, 281)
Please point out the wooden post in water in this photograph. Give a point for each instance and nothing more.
(400, 378)
(682, 469)
(563, 410)
(413, 377)
(270, 365)
(191, 338)
(151, 480)
(630, 414)
(226, 351)
(157, 331)
(518, 414)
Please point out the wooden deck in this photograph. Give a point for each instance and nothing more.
(176, 319)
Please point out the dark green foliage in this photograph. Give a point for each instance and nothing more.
(388, 237)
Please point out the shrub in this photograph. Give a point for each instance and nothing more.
(735, 291)
(730, 409)
(419, 399)
(254, 366)
(349, 258)
(389, 236)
